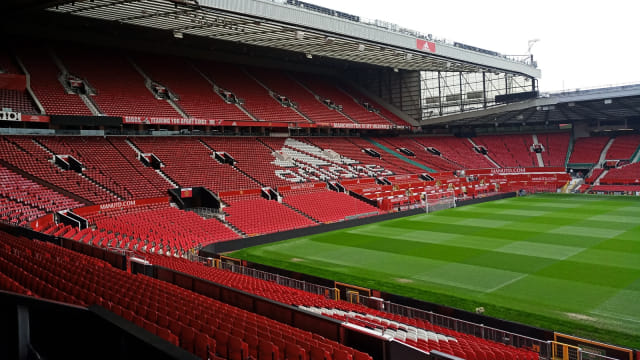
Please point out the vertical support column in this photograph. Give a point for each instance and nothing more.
(401, 102)
(484, 90)
(506, 84)
(439, 94)
(460, 90)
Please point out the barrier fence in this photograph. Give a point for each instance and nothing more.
(478, 330)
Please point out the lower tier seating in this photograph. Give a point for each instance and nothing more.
(259, 216)
(587, 150)
(198, 324)
(156, 228)
(16, 101)
(616, 188)
(329, 206)
(466, 346)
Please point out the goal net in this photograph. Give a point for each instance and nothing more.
(439, 201)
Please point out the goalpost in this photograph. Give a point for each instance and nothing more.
(439, 201)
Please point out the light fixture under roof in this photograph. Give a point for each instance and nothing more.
(299, 35)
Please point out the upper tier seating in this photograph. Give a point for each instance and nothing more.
(383, 111)
(196, 323)
(421, 154)
(256, 215)
(468, 347)
(120, 89)
(190, 163)
(307, 103)
(256, 98)
(17, 101)
(587, 150)
(327, 206)
(458, 150)
(327, 90)
(556, 146)
(509, 150)
(196, 95)
(107, 165)
(23, 153)
(7, 65)
(623, 147)
(46, 86)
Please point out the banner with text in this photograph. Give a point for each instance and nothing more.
(119, 205)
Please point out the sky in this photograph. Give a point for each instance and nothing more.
(582, 44)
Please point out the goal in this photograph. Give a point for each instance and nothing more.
(439, 201)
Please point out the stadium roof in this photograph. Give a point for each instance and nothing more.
(614, 104)
(279, 25)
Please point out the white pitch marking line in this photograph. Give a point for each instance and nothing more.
(614, 316)
(506, 283)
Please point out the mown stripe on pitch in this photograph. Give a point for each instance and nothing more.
(621, 259)
(590, 273)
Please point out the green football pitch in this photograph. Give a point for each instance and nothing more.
(567, 263)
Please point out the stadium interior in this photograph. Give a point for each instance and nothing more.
(142, 140)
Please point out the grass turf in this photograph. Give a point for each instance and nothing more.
(562, 262)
